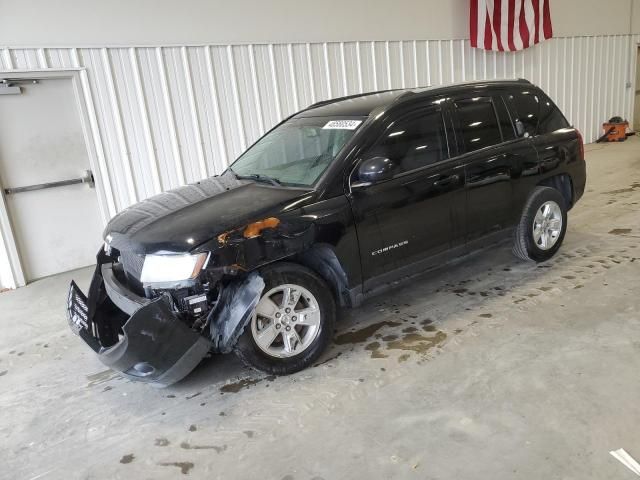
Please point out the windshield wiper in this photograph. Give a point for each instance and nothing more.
(259, 177)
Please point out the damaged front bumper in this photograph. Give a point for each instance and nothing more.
(144, 338)
(152, 345)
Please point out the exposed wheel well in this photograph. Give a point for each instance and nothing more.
(322, 260)
(563, 184)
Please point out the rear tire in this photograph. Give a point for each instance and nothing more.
(542, 226)
(292, 324)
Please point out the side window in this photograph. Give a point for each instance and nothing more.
(413, 142)
(478, 123)
(551, 119)
(526, 106)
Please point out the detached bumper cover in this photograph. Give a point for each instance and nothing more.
(153, 346)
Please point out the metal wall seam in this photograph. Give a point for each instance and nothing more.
(256, 89)
(387, 58)
(595, 94)
(374, 66)
(170, 116)
(8, 61)
(236, 97)
(193, 111)
(453, 66)
(633, 58)
(222, 145)
(623, 62)
(327, 67)
(274, 79)
(599, 54)
(312, 87)
(144, 116)
(614, 76)
(42, 58)
(464, 73)
(420, 80)
(403, 80)
(608, 80)
(343, 65)
(440, 62)
(294, 82)
(119, 130)
(358, 67)
(621, 75)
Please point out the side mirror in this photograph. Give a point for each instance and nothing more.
(375, 169)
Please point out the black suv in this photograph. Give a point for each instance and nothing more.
(333, 205)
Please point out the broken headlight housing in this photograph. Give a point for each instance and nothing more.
(172, 267)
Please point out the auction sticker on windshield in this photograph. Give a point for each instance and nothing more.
(342, 124)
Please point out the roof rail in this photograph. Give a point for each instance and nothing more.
(348, 97)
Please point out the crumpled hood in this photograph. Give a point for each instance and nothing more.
(181, 219)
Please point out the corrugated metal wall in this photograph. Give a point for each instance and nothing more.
(170, 115)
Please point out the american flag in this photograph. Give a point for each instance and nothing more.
(509, 25)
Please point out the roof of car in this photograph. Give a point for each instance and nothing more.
(361, 105)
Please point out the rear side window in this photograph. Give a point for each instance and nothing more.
(551, 118)
(537, 113)
(478, 123)
(413, 142)
(525, 104)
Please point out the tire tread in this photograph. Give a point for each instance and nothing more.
(249, 353)
(521, 248)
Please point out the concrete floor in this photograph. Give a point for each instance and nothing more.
(491, 369)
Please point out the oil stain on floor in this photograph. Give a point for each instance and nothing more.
(244, 383)
(363, 334)
(217, 448)
(408, 340)
(183, 466)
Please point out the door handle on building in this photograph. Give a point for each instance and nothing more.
(87, 178)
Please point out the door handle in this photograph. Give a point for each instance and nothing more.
(87, 178)
(446, 181)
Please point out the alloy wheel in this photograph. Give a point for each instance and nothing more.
(547, 225)
(286, 321)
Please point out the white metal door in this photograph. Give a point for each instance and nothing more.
(55, 229)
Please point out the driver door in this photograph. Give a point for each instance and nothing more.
(404, 221)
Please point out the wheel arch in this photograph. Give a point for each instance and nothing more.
(564, 184)
(322, 260)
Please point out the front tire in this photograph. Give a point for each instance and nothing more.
(292, 324)
(542, 226)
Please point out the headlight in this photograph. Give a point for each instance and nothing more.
(172, 268)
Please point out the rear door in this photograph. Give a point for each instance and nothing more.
(409, 217)
(493, 158)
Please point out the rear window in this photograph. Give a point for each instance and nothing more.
(478, 123)
(550, 118)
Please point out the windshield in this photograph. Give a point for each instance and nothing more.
(298, 151)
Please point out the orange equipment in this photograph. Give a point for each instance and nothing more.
(615, 131)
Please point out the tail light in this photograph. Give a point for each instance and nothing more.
(580, 144)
